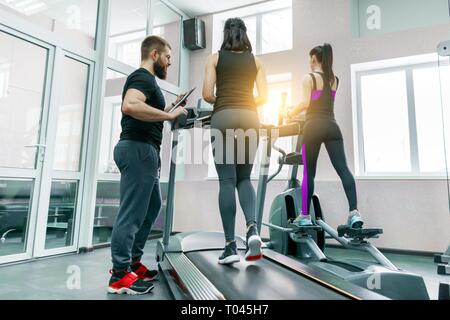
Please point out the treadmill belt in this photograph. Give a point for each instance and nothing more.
(260, 280)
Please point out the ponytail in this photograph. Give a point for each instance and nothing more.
(324, 55)
(327, 62)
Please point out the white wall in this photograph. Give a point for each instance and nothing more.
(413, 213)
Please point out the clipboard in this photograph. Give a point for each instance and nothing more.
(183, 99)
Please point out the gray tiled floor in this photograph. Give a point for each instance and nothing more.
(46, 279)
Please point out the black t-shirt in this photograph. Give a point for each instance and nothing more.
(137, 130)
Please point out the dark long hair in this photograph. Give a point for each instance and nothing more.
(235, 36)
(324, 55)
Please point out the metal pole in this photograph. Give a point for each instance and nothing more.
(381, 258)
(333, 233)
(294, 171)
(168, 223)
(272, 226)
(263, 177)
(94, 132)
(367, 247)
(443, 50)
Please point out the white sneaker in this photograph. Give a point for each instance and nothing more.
(354, 220)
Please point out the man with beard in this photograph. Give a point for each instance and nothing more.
(137, 156)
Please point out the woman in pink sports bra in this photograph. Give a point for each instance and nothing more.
(319, 92)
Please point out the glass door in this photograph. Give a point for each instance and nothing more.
(61, 193)
(44, 97)
(25, 75)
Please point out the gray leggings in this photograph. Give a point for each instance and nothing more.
(234, 153)
(325, 131)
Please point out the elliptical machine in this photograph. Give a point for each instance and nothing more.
(443, 261)
(308, 243)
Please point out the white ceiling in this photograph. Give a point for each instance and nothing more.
(196, 8)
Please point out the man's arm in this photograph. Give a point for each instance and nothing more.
(134, 106)
(168, 108)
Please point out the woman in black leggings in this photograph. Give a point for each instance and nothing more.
(319, 92)
(235, 126)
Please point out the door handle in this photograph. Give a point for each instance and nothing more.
(41, 149)
(37, 146)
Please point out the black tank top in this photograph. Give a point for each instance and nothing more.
(236, 75)
(322, 101)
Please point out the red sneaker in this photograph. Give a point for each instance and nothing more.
(128, 283)
(143, 273)
(254, 243)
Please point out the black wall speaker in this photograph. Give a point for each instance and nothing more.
(194, 34)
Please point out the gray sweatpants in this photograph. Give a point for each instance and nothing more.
(140, 201)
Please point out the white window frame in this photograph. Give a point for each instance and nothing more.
(134, 37)
(161, 31)
(407, 64)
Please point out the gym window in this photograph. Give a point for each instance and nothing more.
(4, 80)
(398, 117)
(269, 31)
(268, 114)
(126, 47)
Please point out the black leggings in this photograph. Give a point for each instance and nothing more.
(234, 164)
(327, 131)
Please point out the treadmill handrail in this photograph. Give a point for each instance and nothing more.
(292, 129)
(272, 226)
(281, 162)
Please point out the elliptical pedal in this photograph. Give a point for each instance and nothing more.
(358, 234)
(303, 229)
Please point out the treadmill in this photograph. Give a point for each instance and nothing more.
(189, 261)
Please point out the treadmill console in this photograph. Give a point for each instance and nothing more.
(200, 115)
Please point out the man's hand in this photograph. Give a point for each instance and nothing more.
(178, 112)
(179, 99)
